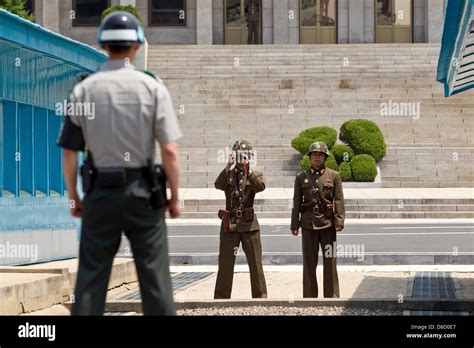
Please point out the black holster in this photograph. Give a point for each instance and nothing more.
(88, 174)
(157, 181)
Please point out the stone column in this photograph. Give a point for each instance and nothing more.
(356, 21)
(204, 22)
(434, 20)
(51, 15)
(280, 22)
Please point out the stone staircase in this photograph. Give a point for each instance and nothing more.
(355, 208)
(268, 94)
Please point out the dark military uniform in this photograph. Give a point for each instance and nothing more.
(314, 190)
(253, 21)
(247, 232)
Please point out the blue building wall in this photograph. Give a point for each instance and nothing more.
(38, 69)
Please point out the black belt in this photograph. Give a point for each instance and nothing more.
(117, 177)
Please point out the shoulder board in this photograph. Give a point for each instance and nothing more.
(152, 74)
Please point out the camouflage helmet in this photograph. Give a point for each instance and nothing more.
(243, 147)
(318, 146)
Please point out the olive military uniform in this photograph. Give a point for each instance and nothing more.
(316, 194)
(240, 230)
(127, 103)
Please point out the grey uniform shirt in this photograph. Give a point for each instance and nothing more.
(114, 109)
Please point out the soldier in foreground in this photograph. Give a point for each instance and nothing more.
(124, 192)
(318, 208)
(239, 222)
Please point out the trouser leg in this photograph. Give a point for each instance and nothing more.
(228, 244)
(252, 246)
(148, 238)
(310, 240)
(100, 240)
(331, 281)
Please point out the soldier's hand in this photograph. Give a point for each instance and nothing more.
(174, 208)
(294, 232)
(75, 205)
(339, 228)
(230, 161)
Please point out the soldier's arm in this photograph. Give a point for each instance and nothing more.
(222, 180)
(295, 212)
(339, 201)
(257, 181)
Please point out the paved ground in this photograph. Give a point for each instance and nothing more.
(349, 193)
(284, 283)
(407, 238)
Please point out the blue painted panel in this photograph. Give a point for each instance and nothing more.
(1, 148)
(27, 213)
(41, 153)
(25, 113)
(55, 153)
(10, 148)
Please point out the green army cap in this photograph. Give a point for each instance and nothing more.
(242, 145)
(318, 146)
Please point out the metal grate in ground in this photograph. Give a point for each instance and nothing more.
(434, 285)
(178, 281)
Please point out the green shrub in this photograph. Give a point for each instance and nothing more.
(302, 142)
(345, 171)
(331, 162)
(128, 8)
(18, 7)
(342, 153)
(363, 168)
(364, 137)
(305, 162)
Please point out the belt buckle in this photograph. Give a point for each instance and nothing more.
(315, 209)
(238, 213)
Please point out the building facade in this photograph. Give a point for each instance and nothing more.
(281, 21)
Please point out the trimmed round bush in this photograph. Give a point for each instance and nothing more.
(303, 141)
(305, 162)
(364, 137)
(345, 171)
(342, 153)
(331, 162)
(364, 168)
(127, 8)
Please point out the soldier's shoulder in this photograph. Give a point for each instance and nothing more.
(300, 174)
(332, 172)
(256, 172)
